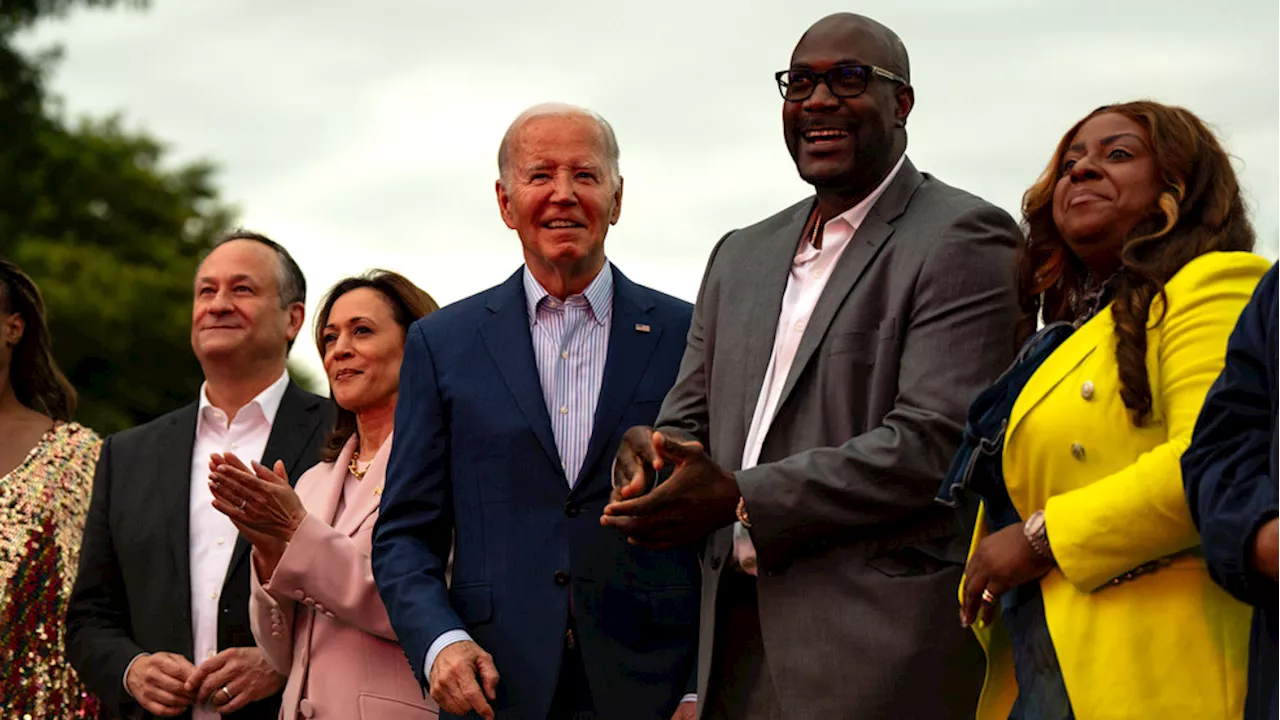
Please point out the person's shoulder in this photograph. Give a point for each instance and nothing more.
(662, 303)
(949, 202)
(77, 437)
(771, 225)
(465, 310)
(147, 431)
(1214, 270)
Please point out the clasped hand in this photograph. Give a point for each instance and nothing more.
(167, 684)
(698, 498)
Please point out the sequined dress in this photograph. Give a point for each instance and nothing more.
(43, 503)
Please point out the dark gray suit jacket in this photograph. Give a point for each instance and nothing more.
(133, 590)
(859, 567)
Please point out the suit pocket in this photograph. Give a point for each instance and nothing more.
(377, 707)
(854, 344)
(907, 562)
(473, 603)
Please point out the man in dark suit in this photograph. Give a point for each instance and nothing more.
(834, 350)
(158, 621)
(1230, 472)
(511, 403)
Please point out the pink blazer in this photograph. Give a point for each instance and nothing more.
(319, 619)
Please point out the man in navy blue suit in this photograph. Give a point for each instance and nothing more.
(511, 405)
(1231, 479)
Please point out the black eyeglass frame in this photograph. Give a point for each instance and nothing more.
(824, 78)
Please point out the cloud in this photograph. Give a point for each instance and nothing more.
(365, 135)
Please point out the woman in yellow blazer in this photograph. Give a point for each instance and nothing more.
(1093, 602)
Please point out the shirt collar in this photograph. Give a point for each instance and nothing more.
(856, 214)
(268, 401)
(598, 294)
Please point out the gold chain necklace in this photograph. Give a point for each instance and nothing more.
(354, 466)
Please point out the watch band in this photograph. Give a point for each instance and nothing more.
(742, 513)
(1037, 534)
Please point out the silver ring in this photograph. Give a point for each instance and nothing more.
(226, 692)
(243, 502)
(987, 597)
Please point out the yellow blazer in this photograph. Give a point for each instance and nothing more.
(1168, 644)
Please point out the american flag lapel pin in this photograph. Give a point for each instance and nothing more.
(642, 328)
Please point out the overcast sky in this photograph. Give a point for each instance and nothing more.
(365, 134)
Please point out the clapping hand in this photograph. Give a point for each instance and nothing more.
(260, 502)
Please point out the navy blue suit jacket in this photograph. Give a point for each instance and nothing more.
(474, 462)
(1230, 471)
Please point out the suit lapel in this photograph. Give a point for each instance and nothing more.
(364, 501)
(294, 424)
(1062, 361)
(863, 247)
(174, 501)
(628, 358)
(321, 496)
(507, 335)
(765, 282)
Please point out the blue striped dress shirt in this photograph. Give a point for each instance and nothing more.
(570, 345)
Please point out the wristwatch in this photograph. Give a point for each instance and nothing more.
(1038, 535)
(742, 513)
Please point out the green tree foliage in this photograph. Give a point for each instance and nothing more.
(109, 231)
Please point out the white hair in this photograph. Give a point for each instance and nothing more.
(555, 109)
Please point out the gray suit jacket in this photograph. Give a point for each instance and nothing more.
(859, 567)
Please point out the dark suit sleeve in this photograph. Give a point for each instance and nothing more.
(1230, 489)
(415, 524)
(958, 339)
(98, 630)
(685, 406)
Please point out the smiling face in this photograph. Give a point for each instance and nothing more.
(846, 144)
(362, 349)
(559, 195)
(1108, 184)
(237, 316)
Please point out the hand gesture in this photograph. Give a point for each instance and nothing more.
(234, 678)
(453, 679)
(697, 499)
(157, 682)
(259, 501)
(1001, 562)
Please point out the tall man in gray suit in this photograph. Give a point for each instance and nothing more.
(834, 350)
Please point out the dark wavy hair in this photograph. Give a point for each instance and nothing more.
(37, 381)
(1200, 210)
(408, 301)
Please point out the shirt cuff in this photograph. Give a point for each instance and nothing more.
(691, 697)
(445, 640)
(125, 679)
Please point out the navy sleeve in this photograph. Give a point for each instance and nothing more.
(414, 530)
(1229, 469)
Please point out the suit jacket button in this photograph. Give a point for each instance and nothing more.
(1077, 451)
(572, 510)
(715, 562)
(305, 709)
(561, 577)
(1086, 390)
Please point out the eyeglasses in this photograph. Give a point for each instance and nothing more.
(844, 81)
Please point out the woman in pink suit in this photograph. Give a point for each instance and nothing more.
(314, 608)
